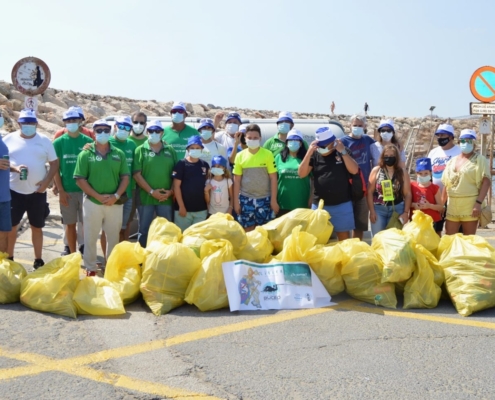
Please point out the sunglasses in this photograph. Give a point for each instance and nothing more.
(463, 141)
(386, 130)
(124, 127)
(103, 130)
(178, 111)
(155, 130)
(138, 123)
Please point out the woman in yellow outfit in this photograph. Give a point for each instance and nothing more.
(467, 180)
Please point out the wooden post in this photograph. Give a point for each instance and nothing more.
(491, 158)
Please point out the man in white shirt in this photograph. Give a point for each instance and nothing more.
(439, 157)
(227, 137)
(211, 147)
(29, 152)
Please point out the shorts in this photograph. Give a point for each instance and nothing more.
(341, 216)
(255, 211)
(5, 218)
(361, 214)
(126, 213)
(34, 204)
(73, 212)
(459, 209)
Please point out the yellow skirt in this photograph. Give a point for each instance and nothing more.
(461, 208)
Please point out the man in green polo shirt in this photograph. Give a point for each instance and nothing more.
(284, 124)
(176, 135)
(70, 195)
(154, 163)
(139, 120)
(103, 175)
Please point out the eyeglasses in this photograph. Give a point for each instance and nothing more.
(102, 130)
(386, 130)
(463, 141)
(155, 130)
(123, 127)
(138, 123)
(178, 111)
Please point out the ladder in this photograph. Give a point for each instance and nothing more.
(410, 145)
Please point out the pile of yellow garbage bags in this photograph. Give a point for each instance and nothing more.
(186, 267)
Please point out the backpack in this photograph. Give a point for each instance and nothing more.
(358, 185)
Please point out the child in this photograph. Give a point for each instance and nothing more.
(218, 189)
(190, 176)
(426, 196)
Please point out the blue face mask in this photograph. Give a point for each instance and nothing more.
(423, 179)
(154, 138)
(217, 171)
(357, 131)
(284, 128)
(177, 118)
(122, 134)
(206, 134)
(195, 153)
(323, 151)
(293, 145)
(466, 148)
(1, 121)
(102, 138)
(72, 127)
(28, 130)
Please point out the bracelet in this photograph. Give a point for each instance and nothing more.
(479, 202)
(117, 196)
(151, 192)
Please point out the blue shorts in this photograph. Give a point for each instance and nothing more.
(126, 212)
(342, 216)
(5, 217)
(255, 211)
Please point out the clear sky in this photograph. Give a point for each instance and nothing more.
(401, 56)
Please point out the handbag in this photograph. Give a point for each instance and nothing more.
(485, 215)
(394, 221)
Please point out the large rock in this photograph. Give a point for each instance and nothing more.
(49, 98)
(17, 105)
(3, 99)
(5, 88)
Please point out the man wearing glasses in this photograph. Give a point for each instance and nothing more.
(103, 175)
(176, 135)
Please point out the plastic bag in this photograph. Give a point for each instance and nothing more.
(98, 296)
(11, 275)
(258, 248)
(362, 276)
(350, 248)
(124, 271)
(218, 226)
(167, 271)
(207, 289)
(454, 248)
(421, 230)
(421, 291)
(395, 249)
(316, 222)
(51, 287)
(163, 230)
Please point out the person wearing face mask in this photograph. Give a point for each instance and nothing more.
(331, 163)
(239, 145)
(211, 147)
(177, 134)
(277, 143)
(426, 196)
(389, 190)
(82, 129)
(466, 179)
(255, 182)
(293, 192)
(68, 147)
(138, 130)
(386, 130)
(103, 175)
(5, 219)
(153, 165)
(227, 137)
(190, 175)
(360, 145)
(29, 152)
(439, 157)
(218, 189)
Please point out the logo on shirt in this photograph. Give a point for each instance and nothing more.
(152, 154)
(338, 159)
(99, 158)
(204, 170)
(438, 166)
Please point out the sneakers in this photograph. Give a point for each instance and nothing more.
(38, 263)
(66, 251)
(90, 273)
(81, 249)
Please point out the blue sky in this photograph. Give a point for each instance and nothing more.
(399, 56)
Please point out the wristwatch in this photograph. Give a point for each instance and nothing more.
(151, 192)
(117, 196)
(343, 152)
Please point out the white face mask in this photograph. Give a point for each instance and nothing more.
(386, 136)
(253, 144)
(323, 151)
(138, 128)
(154, 138)
(195, 153)
(122, 134)
(231, 128)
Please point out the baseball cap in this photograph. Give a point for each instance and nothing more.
(445, 128)
(155, 124)
(101, 122)
(194, 140)
(285, 116)
(71, 114)
(206, 122)
(219, 160)
(468, 134)
(27, 115)
(294, 134)
(386, 123)
(179, 105)
(423, 164)
(78, 110)
(324, 136)
(234, 115)
(124, 120)
(337, 129)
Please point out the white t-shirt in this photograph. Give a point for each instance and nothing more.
(34, 153)
(439, 158)
(211, 150)
(376, 151)
(224, 139)
(219, 195)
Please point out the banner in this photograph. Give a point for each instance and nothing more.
(284, 285)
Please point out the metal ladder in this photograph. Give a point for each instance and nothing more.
(410, 145)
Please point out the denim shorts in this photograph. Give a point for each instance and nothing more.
(341, 216)
(255, 211)
(5, 217)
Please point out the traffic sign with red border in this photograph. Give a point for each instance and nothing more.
(482, 84)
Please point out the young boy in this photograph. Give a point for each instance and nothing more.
(255, 182)
(190, 175)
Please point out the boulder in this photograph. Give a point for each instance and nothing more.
(3, 99)
(54, 99)
(5, 88)
(17, 105)
(189, 108)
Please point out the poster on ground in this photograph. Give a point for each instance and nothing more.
(278, 286)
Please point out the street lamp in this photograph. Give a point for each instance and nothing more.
(431, 111)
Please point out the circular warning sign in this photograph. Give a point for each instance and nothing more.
(31, 76)
(482, 84)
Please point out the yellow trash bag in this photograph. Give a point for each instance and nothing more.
(218, 226)
(395, 249)
(421, 291)
(98, 296)
(421, 230)
(162, 229)
(316, 222)
(362, 276)
(124, 271)
(453, 248)
(11, 275)
(259, 248)
(350, 248)
(167, 271)
(51, 287)
(207, 289)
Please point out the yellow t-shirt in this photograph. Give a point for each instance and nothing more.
(255, 170)
(467, 181)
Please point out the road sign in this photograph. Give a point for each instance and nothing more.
(482, 84)
(31, 102)
(481, 109)
(31, 76)
(485, 126)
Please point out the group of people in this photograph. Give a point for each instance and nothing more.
(105, 175)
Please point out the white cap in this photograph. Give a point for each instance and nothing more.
(285, 116)
(101, 122)
(71, 113)
(468, 134)
(294, 134)
(124, 120)
(155, 124)
(387, 123)
(242, 128)
(78, 110)
(324, 136)
(445, 128)
(27, 115)
(179, 105)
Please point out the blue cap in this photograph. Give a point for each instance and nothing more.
(234, 115)
(101, 122)
(71, 113)
(178, 105)
(324, 136)
(285, 116)
(79, 110)
(294, 134)
(155, 124)
(27, 115)
(124, 120)
(206, 122)
(386, 123)
(423, 164)
(219, 160)
(194, 140)
(467, 134)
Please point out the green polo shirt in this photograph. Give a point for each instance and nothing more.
(128, 147)
(67, 149)
(139, 142)
(293, 192)
(178, 140)
(103, 173)
(275, 145)
(156, 169)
